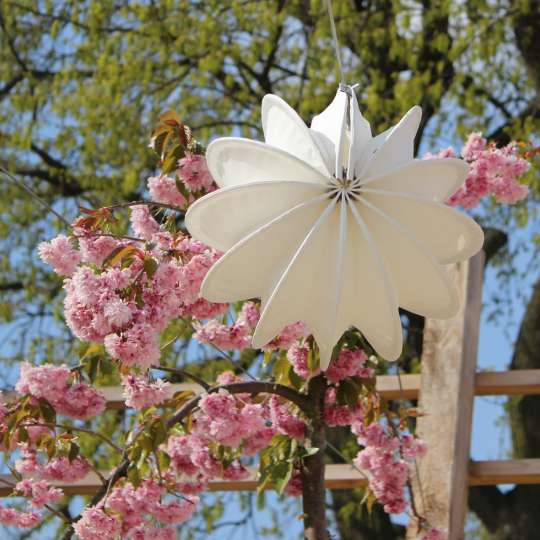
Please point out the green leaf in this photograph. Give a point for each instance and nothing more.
(133, 475)
(117, 255)
(281, 369)
(281, 474)
(23, 434)
(164, 460)
(312, 361)
(150, 266)
(348, 393)
(46, 410)
(73, 451)
(170, 162)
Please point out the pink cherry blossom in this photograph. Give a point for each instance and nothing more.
(175, 512)
(259, 440)
(95, 524)
(236, 471)
(225, 337)
(50, 382)
(284, 421)
(60, 254)
(298, 356)
(21, 520)
(80, 401)
(493, 171)
(163, 189)
(193, 171)
(434, 534)
(203, 309)
(136, 346)
(349, 363)
(289, 335)
(40, 492)
(95, 249)
(140, 393)
(146, 531)
(142, 221)
(249, 315)
(294, 487)
(64, 470)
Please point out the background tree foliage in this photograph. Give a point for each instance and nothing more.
(82, 82)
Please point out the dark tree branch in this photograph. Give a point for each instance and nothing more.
(249, 387)
(501, 135)
(6, 89)
(14, 286)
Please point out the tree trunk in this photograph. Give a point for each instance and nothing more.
(312, 470)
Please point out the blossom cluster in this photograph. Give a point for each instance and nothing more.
(55, 384)
(136, 513)
(125, 301)
(238, 335)
(492, 171)
(223, 419)
(124, 291)
(57, 469)
(385, 458)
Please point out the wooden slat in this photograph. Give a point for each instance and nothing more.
(516, 471)
(508, 383)
(481, 473)
(494, 383)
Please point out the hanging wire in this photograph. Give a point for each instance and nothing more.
(336, 42)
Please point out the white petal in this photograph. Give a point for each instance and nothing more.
(423, 286)
(233, 161)
(360, 137)
(450, 236)
(256, 262)
(330, 126)
(397, 146)
(434, 179)
(222, 218)
(370, 300)
(305, 289)
(284, 129)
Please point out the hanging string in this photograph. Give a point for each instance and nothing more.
(336, 43)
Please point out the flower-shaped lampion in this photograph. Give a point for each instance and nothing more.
(333, 227)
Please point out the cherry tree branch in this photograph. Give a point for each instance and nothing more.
(249, 387)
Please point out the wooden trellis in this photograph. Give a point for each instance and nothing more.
(445, 389)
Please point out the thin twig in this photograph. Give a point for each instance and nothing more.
(104, 438)
(34, 195)
(142, 203)
(351, 463)
(248, 387)
(49, 508)
(233, 361)
(185, 374)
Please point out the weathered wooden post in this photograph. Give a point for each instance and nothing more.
(447, 398)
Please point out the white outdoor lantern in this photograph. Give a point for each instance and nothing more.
(333, 227)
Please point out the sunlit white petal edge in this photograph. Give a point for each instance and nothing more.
(333, 227)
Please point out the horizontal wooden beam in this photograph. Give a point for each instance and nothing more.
(514, 471)
(487, 383)
(481, 473)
